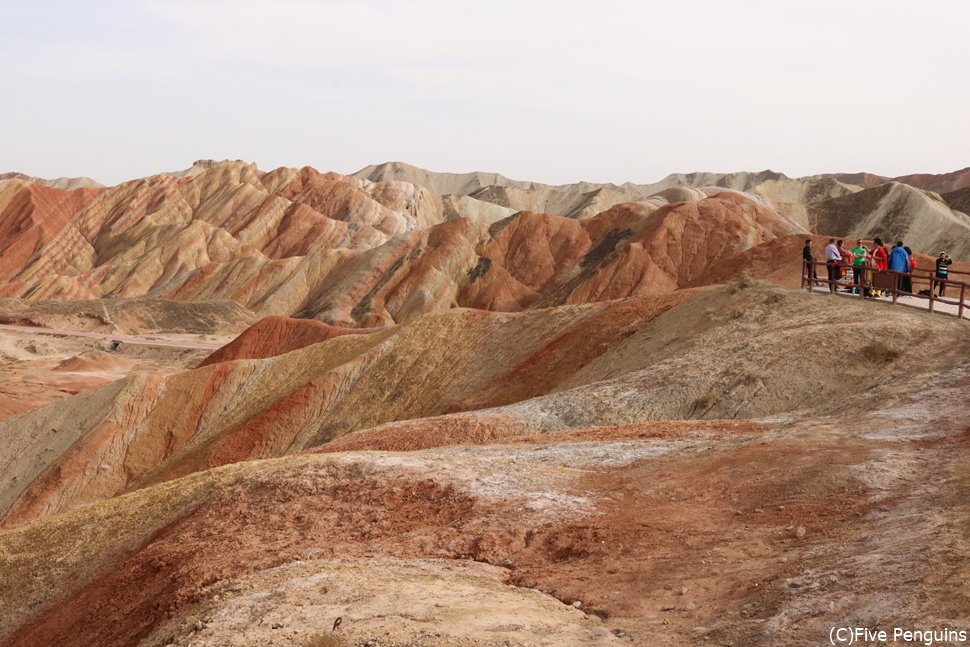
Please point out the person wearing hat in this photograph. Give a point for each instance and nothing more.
(943, 262)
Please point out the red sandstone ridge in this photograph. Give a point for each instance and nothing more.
(941, 183)
(630, 249)
(31, 216)
(273, 336)
(359, 252)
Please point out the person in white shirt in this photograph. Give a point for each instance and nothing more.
(833, 259)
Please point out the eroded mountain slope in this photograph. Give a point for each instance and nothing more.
(717, 532)
(148, 427)
(895, 211)
(356, 252)
(621, 362)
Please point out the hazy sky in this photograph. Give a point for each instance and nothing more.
(549, 91)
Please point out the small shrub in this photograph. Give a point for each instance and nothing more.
(706, 401)
(750, 379)
(744, 282)
(773, 298)
(326, 640)
(879, 352)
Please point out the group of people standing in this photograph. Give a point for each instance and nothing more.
(900, 258)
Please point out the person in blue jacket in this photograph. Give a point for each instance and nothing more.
(899, 259)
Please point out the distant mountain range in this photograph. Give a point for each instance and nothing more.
(394, 241)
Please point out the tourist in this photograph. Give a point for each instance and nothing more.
(943, 262)
(846, 259)
(879, 263)
(908, 279)
(832, 262)
(879, 255)
(898, 262)
(860, 253)
(808, 258)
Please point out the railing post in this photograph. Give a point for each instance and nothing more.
(932, 292)
(895, 286)
(963, 293)
(811, 275)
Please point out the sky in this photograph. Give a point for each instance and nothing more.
(557, 92)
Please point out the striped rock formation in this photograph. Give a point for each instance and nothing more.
(468, 410)
(355, 252)
(618, 362)
(467, 477)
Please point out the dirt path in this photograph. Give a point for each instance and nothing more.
(124, 339)
(924, 304)
(912, 302)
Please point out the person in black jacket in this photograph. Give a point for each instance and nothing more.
(943, 262)
(808, 256)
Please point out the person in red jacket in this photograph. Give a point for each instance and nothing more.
(879, 262)
(880, 256)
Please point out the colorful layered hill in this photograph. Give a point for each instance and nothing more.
(394, 242)
(614, 473)
(617, 362)
(468, 410)
(355, 252)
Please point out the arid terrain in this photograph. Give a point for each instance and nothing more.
(402, 409)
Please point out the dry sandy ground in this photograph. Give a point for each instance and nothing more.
(38, 366)
(674, 533)
(196, 342)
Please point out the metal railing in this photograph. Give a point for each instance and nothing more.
(889, 281)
